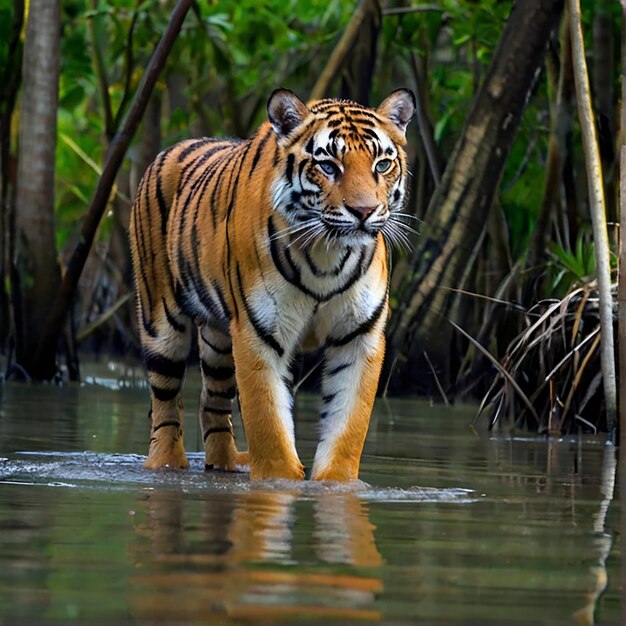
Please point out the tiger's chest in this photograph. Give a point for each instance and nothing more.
(320, 271)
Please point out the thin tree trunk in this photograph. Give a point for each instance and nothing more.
(598, 215)
(560, 132)
(621, 292)
(36, 266)
(339, 56)
(357, 76)
(456, 218)
(117, 150)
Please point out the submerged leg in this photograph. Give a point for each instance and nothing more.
(216, 400)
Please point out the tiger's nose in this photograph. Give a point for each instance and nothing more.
(360, 212)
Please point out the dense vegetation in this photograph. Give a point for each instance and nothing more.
(525, 250)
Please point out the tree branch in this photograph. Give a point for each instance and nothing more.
(129, 65)
(100, 71)
(115, 156)
(342, 49)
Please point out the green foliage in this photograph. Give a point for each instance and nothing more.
(7, 10)
(228, 57)
(572, 268)
(231, 54)
(10, 51)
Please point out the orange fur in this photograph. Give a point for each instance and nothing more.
(251, 245)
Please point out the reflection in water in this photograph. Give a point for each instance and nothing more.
(239, 561)
(603, 540)
(470, 528)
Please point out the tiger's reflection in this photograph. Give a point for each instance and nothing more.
(255, 556)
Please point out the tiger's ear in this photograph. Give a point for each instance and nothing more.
(285, 111)
(399, 107)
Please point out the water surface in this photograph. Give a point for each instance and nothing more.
(447, 526)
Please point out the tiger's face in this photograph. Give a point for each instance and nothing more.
(342, 173)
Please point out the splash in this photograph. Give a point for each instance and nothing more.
(110, 472)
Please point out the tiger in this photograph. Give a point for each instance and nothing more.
(252, 245)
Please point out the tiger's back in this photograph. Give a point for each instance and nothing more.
(251, 244)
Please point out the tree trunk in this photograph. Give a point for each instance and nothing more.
(457, 214)
(36, 267)
(558, 148)
(356, 81)
(367, 11)
(597, 210)
(57, 313)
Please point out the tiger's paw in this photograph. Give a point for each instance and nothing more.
(221, 454)
(341, 472)
(264, 469)
(167, 449)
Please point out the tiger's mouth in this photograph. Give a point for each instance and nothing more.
(344, 232)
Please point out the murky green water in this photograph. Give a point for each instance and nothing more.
(451, 527)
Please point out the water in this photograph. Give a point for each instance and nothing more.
(447, 526)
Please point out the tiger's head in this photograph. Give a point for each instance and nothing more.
(341, 173)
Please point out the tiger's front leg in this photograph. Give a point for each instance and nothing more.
(262, 373)
(352, 365)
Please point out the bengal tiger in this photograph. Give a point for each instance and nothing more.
(253, 244)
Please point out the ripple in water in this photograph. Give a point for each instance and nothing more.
(91, 470)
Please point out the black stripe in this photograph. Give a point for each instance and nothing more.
(264, 334)
(338, 369)
(192, 147)
(164, 395)
(234, 187)
(220, 297)
(334, 272)
(208, 409)
(289, 171)
(191, 191)
(293, 140)
(228, 256)
(328, 398)
(259, 151)
(181, 299)
(174, 323)
(148, 326)
(215, 348)
(168, 423)
(365, 121)
(143, 246)
(362, 328)
(217, 429)
(360, 268)
(159, 364)
(216, 373)
(227, 394)
(218, 180)
(163, 207)
(301, 167)
(190, 169)
(371, 133)
(196, 284)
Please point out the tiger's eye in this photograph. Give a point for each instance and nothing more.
(328, 167)
(383, 166)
